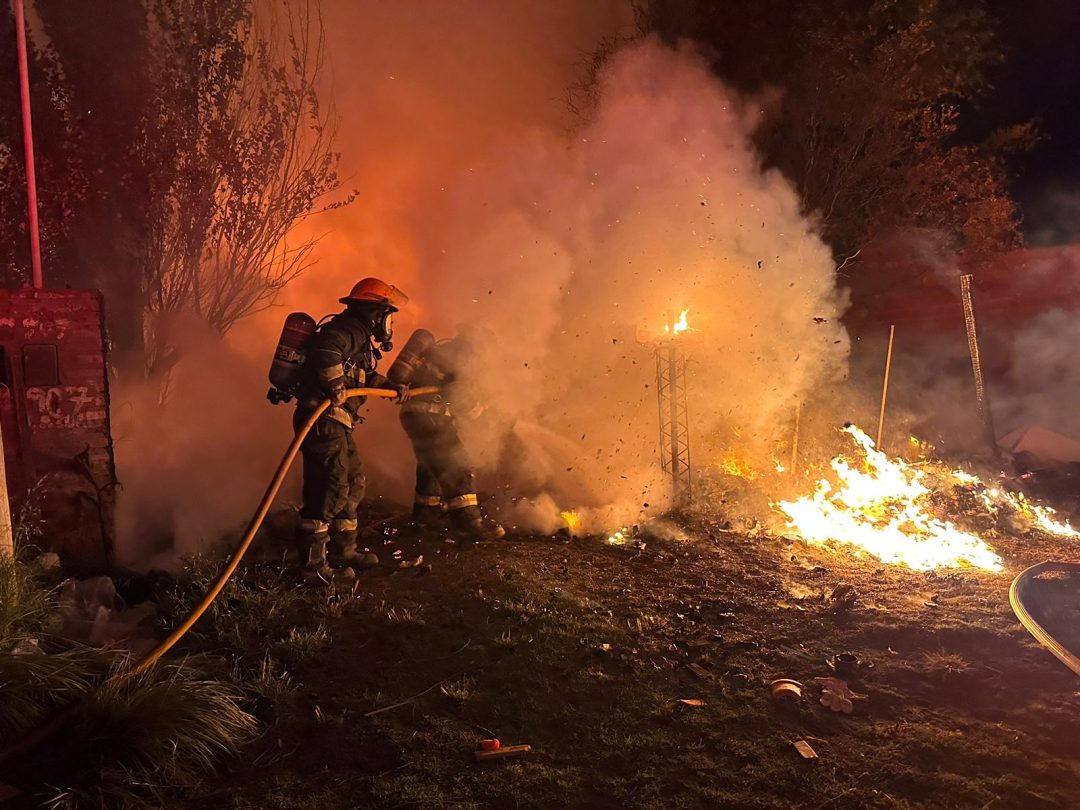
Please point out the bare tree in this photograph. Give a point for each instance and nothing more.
(238, 150)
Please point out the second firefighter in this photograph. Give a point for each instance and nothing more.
(445, 484)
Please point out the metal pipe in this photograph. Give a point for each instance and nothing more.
(885, 386)
(28, 144)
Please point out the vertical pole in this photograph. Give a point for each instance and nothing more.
(28, 144)
(7, 543)
(982, 398)
(673, 415)
(885, 386)
(795, 441)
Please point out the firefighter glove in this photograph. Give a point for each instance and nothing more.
(338, 391)
(403, 394)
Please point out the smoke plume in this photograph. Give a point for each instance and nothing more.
(574, 242)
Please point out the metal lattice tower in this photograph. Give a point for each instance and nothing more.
(674, 420)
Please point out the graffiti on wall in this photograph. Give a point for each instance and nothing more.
(64, 407)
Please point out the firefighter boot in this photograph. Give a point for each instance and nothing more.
(312, 538)
(473, 527)
(428, 513)
(342, 550)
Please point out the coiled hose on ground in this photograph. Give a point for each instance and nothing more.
(1019, 593)
(154, 655)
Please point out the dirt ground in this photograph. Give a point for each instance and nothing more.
(583, 650)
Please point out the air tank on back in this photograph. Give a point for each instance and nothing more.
(410, 357)
(289, 356)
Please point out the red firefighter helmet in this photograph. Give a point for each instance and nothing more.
(375, 291)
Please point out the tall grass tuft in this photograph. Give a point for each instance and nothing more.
(135, 736)
(24, 603)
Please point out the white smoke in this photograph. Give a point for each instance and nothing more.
(573, 249)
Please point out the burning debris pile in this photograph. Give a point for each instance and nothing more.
(903, 513)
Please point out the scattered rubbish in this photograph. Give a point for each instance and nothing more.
(836, 695)
(804, 749)
(94, 615)
(46, 563)
(412, 563)
(509, 752)
(691, 702)
(27, 646)
(844, 664)
(489, 745)
(605, 648)
(786, 689)
(740, 678)
(700, 671)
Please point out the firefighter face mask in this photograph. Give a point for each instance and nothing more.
(383, 329)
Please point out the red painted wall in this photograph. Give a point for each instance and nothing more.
(54, 412)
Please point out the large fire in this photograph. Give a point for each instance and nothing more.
(882, 506)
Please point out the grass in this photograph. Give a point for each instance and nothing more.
(131, 740)
(25, 603)
(513, 637)
(402, 614)
(459, 690)
(135, 736)
(263, 626)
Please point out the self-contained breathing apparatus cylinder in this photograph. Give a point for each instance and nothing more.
(289, 356)
(410, 357)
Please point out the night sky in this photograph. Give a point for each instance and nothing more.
(1040, 78)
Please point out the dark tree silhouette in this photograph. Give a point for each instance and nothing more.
(863, 98)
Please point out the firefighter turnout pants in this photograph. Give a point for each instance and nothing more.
(443, 475)
(333, 487)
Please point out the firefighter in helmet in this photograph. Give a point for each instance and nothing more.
(342, 354)
(444, 479)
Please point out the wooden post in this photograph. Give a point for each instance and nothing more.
(885, 386)
(7, 542)
(982, 398)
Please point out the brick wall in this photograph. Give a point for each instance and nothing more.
(54, 412)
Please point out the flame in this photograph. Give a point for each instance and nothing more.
(571, 519)
(619, 538)
(740, 469)
(1042, 516)
(679, 326)
(882, 509)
